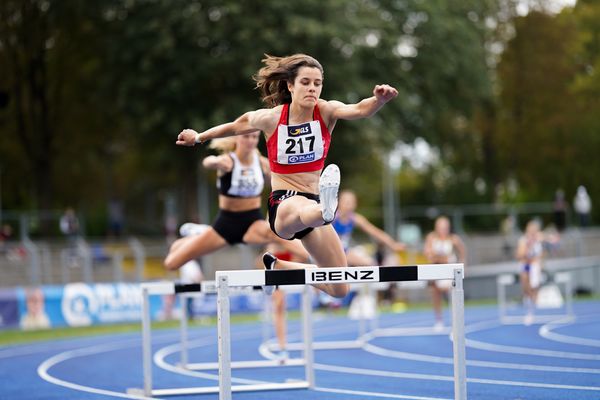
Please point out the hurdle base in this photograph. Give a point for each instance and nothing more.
(215, 389)
(537, 319)
(290, 362)
(324, 345)
(411, 331)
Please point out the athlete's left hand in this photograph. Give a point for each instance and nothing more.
(384, 93)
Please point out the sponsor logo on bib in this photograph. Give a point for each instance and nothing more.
(299, 130)
(302, 158)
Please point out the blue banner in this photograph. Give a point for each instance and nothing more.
(9, 309)
(81, 304)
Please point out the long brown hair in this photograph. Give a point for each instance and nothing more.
(272, 79)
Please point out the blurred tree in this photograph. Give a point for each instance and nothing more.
(48, 65)
(92, 94)
(547, 126)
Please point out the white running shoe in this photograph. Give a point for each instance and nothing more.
(269, 262)
(438, 327)
(191, 229)
(282, 357)
(329, 184)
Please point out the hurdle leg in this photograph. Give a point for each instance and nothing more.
(146, 343)
(224, 338)
(183, 356)
(501, 299)
(309, 356)
(458, 337)
(364, 292)
(569, 296)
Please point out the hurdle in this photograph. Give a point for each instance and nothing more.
(229, 279)
(505, 280)
(170, 288)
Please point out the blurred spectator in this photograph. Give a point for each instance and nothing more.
(508, 228)
(583, 206)
(171, 228)
(35, 317)
(442, 247)
(559, 207)
(115, 218)
(69, 224)
(532, 246)
(5, 234)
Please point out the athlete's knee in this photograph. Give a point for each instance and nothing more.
(340, 290)
(170, 263)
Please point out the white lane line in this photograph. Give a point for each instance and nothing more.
(546, 331)
(474, 327)
(498, 348)
(375, 394)
(160, 355)
(384, 352)
(430, 377)
(45, 366)
(86, 351)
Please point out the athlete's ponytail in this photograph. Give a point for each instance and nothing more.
(272, 79)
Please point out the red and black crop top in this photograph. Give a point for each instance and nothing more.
(298, 148)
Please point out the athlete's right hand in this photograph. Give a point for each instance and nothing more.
(186, 137)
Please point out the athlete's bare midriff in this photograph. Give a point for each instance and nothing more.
(239, 204)
(307, 182)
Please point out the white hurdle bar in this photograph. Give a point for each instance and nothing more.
(228, 279)
(504, 280)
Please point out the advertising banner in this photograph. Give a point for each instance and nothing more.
(9, 309)
(81, 304)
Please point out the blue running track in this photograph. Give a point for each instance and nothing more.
(554, 360)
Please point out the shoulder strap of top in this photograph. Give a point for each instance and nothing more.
(284, 118)
(317, 114)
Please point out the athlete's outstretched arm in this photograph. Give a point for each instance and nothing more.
(381, 236)
(247, 123)
(364, 108)
(222, 163)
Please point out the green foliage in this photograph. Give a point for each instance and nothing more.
(547, 129)
(92, 94)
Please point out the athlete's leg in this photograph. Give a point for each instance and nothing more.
(260, 233)
(193, 247)
(325, 248)
(178, 243)
(528, 297)
(279, 318)
(436, 297)
(297, 213)
(525, 286)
